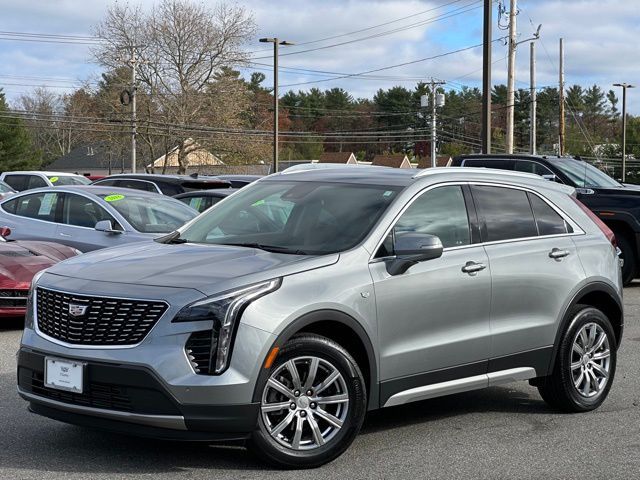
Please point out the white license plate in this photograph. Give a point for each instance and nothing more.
(63, 374)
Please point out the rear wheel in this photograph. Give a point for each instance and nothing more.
(312, 404)
(628, 255)
(585, 364)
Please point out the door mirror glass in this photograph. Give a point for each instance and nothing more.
(411, 248)
(106, 226)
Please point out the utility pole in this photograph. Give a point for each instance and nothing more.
(534, 95)
(486, 77)
(624, 125)
(276, 43)
(134, 119)
(511, 75)
(561, 115)
(434, 104)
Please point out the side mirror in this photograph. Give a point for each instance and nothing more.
(5, 232)
(551, 177)
(106, 227)
(411, 248)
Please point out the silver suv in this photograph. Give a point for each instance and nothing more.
(290, 309)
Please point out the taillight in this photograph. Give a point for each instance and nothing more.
(601, 225)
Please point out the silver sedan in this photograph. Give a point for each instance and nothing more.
(91, 217)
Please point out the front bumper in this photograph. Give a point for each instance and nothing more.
(132, 400)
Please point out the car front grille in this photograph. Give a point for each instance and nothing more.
(13, 298)
(88, 320)
(109, 397)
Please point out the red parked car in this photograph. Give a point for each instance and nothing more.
(19, 262)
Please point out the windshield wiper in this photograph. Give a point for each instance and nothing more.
(268, 248)
(172, 238)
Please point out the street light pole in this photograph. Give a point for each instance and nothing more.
(276, 43)
(624, 125)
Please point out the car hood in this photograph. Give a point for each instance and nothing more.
(20, 261)
(209, 269)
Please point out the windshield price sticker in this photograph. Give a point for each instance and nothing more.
(54, 179)
(113, 198)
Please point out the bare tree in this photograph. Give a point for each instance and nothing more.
(180, 47)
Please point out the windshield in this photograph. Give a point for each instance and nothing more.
(294, 217)
(584, 175)
(150, 215)
(69, 180)
(4, 188)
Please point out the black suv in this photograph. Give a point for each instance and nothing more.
(166, 184)
(616, 204)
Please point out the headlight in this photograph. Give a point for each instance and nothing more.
(224, 311)
(28, 318)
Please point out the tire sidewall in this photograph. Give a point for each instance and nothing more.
(582, 316)
(339, 358)
(630, 265)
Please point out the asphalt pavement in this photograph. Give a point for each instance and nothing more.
(501, 432)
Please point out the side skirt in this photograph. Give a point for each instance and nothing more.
(497, 371)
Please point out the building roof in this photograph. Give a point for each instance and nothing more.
(442, 161)
(84, 157)
(196, 156)
(395, 161)
(338, 157)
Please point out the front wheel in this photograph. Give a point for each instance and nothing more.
(628, 256)
(585, 363)
(312, 406)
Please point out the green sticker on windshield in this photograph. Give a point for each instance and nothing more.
(387, 193)
(113, 198)
(259, 202)
(53, 179)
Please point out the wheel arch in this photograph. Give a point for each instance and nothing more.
(342, 329)
(598, 295)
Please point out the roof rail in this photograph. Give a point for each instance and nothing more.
(317, 166)
(510, 173)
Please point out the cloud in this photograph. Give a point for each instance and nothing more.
(600, 41)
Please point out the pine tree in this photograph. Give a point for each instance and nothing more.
(16, 151)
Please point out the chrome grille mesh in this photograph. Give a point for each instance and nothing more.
(102, 320)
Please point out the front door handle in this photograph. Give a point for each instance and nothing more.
(473, 268)
(557, 253)
(62, 234)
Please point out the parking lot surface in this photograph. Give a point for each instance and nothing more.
(501, 432)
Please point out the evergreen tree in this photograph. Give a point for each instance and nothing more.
(16, 151)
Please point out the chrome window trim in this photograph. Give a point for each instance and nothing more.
(91, 347)
(60, 190)
(576, 228)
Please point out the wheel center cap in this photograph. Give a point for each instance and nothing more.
(303, 402)
(586, 359)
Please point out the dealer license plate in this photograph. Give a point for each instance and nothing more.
(63, 374)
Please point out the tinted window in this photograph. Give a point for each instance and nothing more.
(200, 203)
(17, 182)
(547, 219)
(40, 206)
(532, 167)
(441, 212)
(134, 184)
(489, 163)
(506, 213)
(170, 189)
(83, 212)
(108, 183)
(294, 217)
(36, 182)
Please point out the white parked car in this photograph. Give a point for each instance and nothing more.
(27, 180)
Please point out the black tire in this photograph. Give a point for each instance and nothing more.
(265, 446)
(558, 389)
(629, 256)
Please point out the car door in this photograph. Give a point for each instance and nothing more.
(32, 216)
(77, 224)
(534, 268)
(435, 316)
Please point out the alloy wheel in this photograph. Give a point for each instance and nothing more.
(590, 360)
(304, 403)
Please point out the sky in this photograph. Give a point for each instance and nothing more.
(600, 41)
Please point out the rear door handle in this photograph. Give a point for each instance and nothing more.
(62, 234)
(556, 253)
(472, 268)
